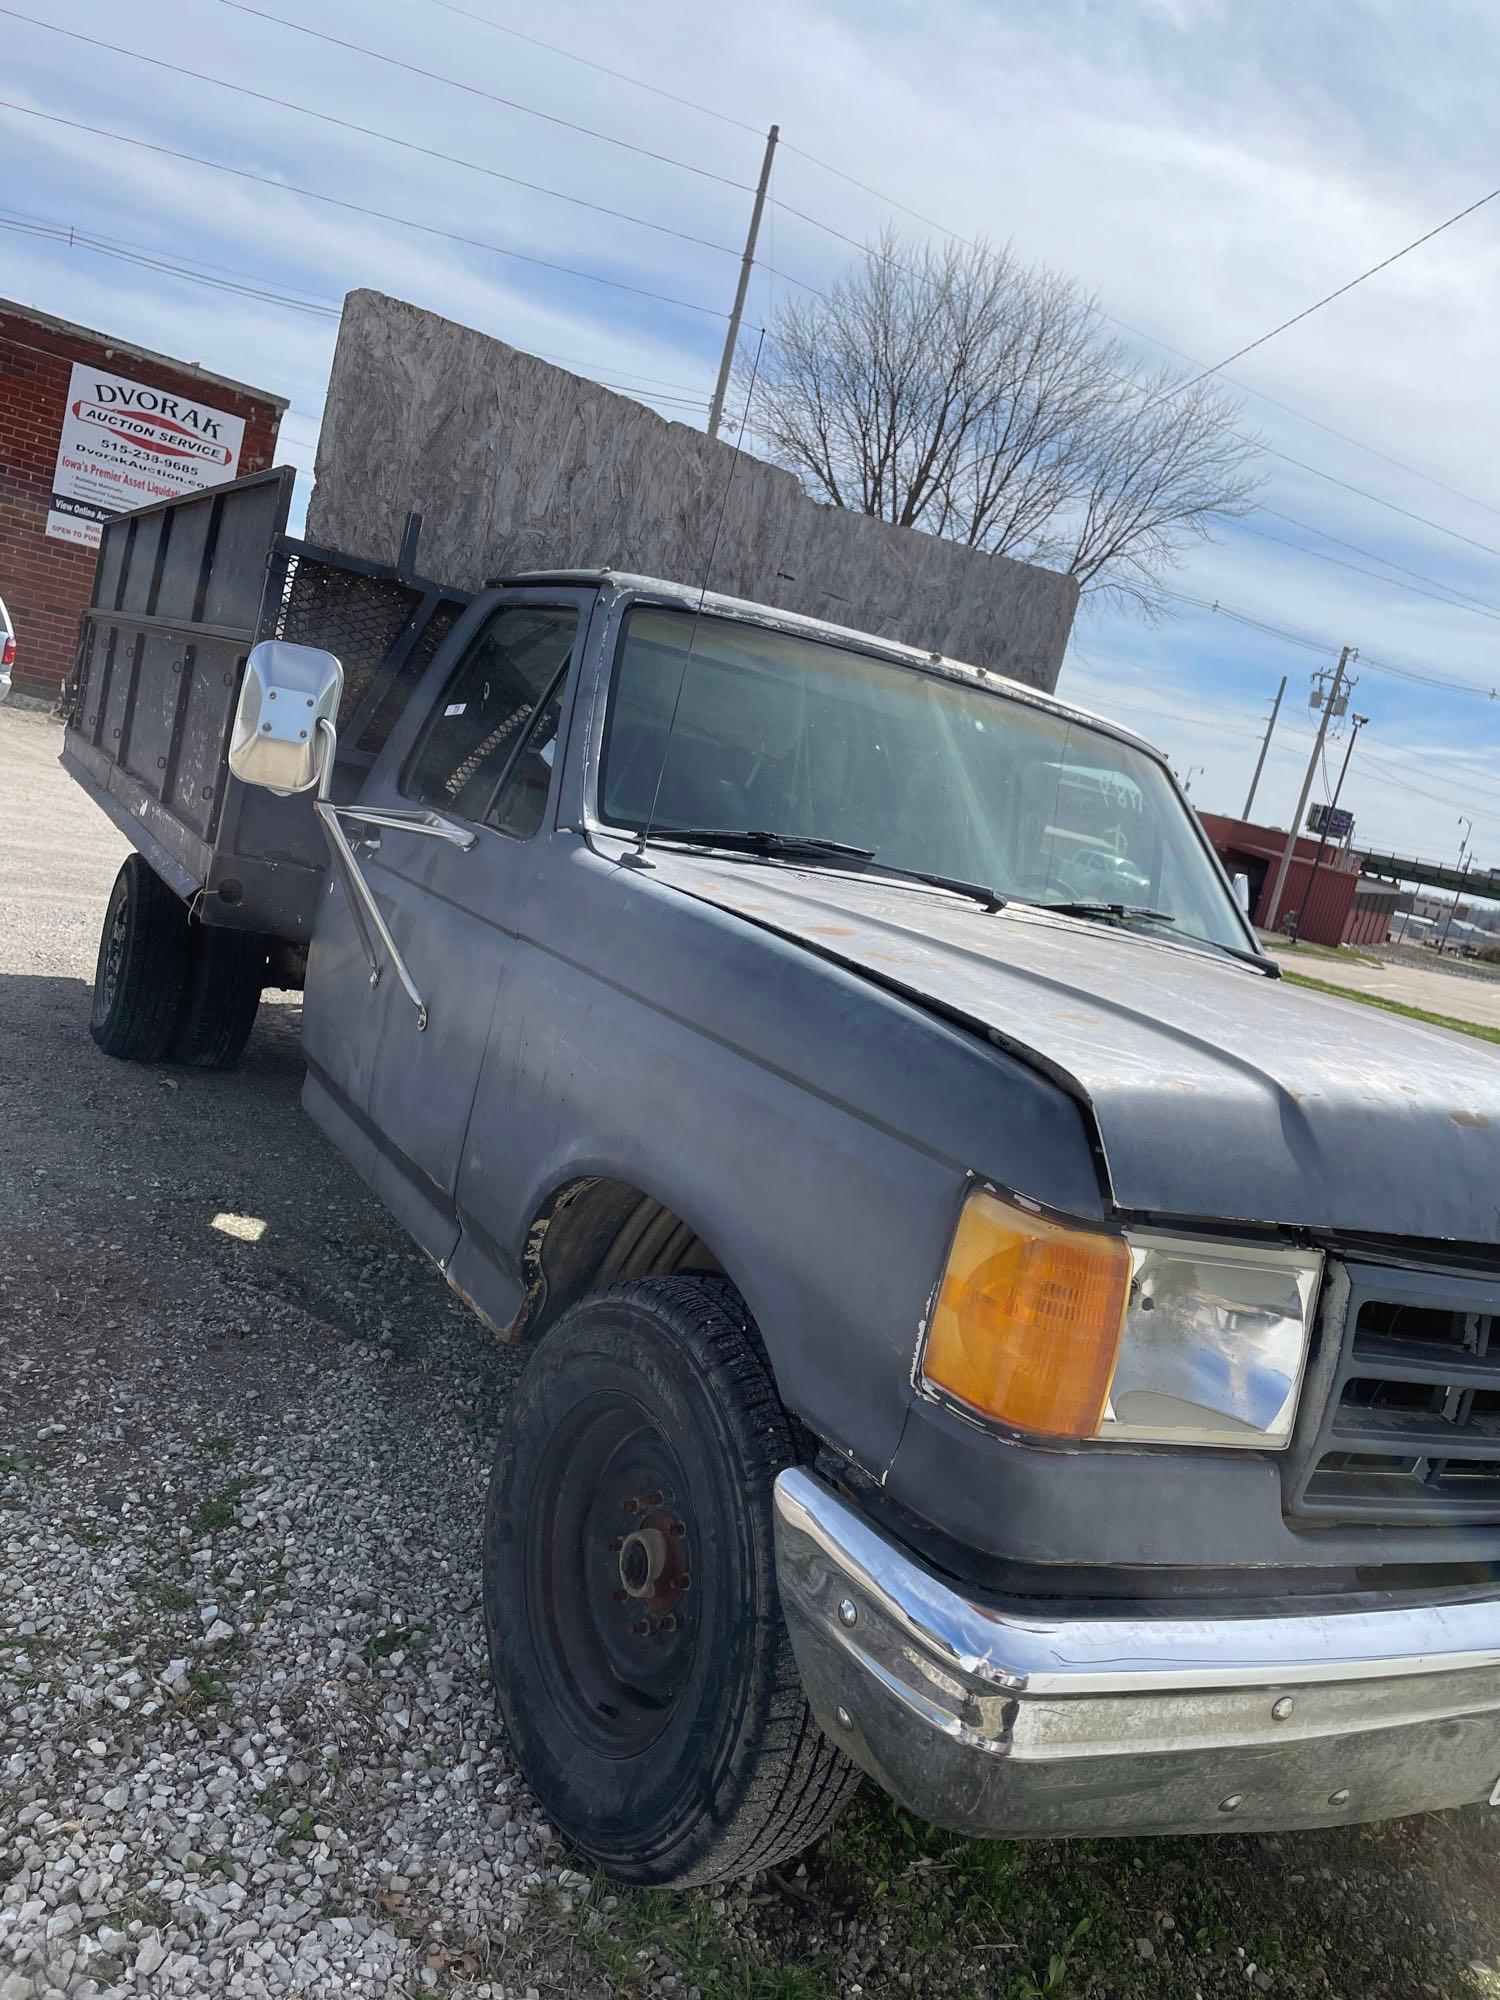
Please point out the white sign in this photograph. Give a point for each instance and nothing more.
(125, 444)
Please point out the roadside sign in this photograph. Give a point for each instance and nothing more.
(124, 443)
(1337, 822)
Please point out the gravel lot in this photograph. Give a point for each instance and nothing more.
(246, 1744)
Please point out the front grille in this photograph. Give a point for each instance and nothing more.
(1409, 1429)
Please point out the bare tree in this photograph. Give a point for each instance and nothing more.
(961, 391)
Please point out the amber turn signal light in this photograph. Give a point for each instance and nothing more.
(1027, 1324)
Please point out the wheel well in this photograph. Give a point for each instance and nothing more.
(595, 1232)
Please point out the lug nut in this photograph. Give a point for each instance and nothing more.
(846, 1721)
(1232, 1803)
(1283, 1708)
(1339, 1798)
(847, 1613)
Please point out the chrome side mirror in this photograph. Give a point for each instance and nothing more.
(1242, 892)
(287, 692)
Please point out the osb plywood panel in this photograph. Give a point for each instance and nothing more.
(516, 465)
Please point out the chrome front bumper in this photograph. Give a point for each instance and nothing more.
(996, 1721)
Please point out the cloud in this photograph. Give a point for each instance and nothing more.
(1207, 169)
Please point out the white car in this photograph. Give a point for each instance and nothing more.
(7, 649)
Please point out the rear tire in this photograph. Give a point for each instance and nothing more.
(220, 996)
(142, 962)
(640, 1658)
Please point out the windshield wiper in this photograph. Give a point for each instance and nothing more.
(1119, 912)
(756, 842)
(991, 898)
(814, 846)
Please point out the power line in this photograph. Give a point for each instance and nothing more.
(1315, 645)
(197, 263)
(604, 69)
(368, 131)
(1165, 395)
(1291, 409)
(475, 90)
(973, 243)
(1328, 298)
(1308, 527)
(74, 238)
(1338, 562)
(357, 208)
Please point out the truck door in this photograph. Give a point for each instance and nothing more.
(396, 1096)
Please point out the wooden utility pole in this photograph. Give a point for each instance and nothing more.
(1465, 859)
(747, 265)
(1359, 722)
(1312, 764)
(1260, 762)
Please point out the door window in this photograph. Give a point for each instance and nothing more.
(483, 717)
(522, 797)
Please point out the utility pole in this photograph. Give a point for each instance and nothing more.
(747, 265)
(1466, 858)
(1260, 762)
(1330, 704)
(1359, 722)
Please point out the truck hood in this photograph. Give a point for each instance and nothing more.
(1215, 1091)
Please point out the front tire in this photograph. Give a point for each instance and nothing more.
(640, 1659)
(142, 961)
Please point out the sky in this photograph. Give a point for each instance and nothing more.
(1201, 169)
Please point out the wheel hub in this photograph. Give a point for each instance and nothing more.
(643, 1557)
(615, 1578)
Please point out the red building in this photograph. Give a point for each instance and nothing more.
(89, 426)
(1336, 906)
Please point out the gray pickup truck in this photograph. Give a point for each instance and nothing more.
(987, 1331)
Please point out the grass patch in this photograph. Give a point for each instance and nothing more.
(395, 1639)
(206, 1684)
(1386, 1910)
(146, 1907)
(301, 1829)
(650, 1933)
(1477, 1029)
(1305, 948)
(218, 1447)
(218, 1513)
(16, 1461)
(165, 1596)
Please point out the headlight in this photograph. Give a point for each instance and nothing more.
(1074, 1333)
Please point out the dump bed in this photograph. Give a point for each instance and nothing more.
(182, 591)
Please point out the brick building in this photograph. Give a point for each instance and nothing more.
(90, 425)
(1335, 903)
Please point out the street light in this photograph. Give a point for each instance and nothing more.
(1187, 783)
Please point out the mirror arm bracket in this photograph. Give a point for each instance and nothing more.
(362, 904)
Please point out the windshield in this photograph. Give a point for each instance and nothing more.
(775, 733)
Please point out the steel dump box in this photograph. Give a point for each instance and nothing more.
(182, 591)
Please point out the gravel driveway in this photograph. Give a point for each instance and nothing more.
(246, 1745)
(244, 1433)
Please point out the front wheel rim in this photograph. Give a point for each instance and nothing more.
(607, 1573)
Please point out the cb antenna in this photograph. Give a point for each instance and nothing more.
(639, 857)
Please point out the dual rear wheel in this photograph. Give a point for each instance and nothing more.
(167, 987)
